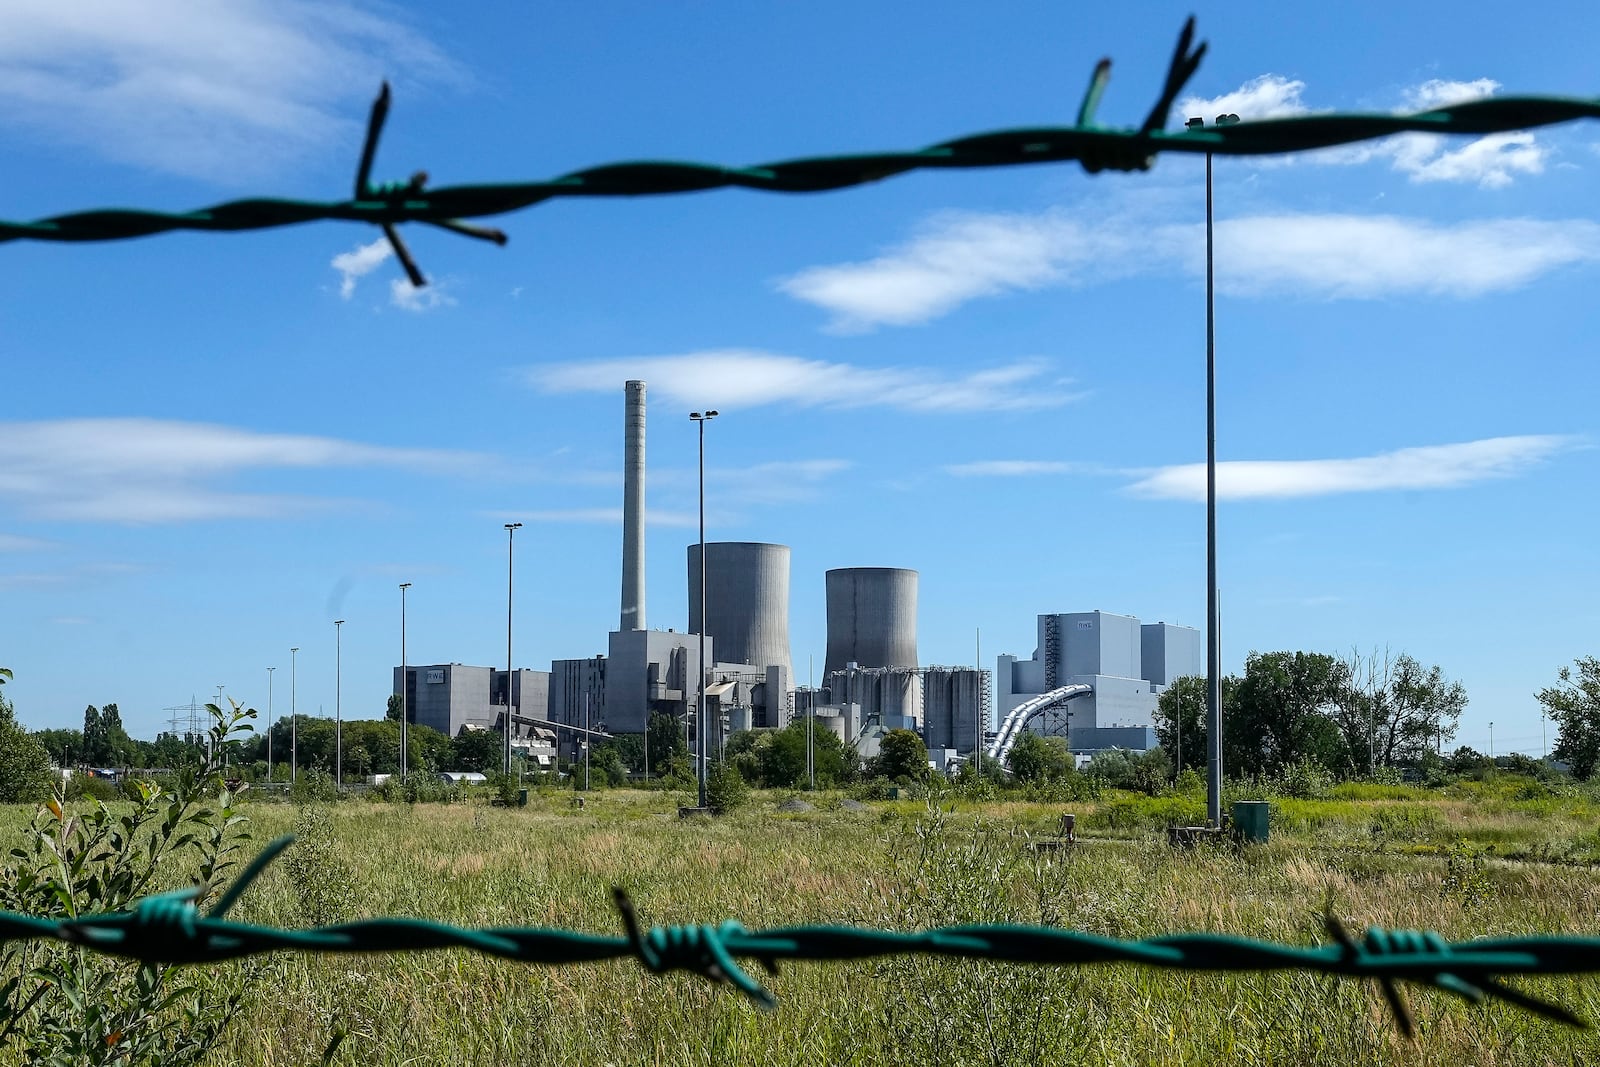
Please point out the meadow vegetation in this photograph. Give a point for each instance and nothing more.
(1499, 857)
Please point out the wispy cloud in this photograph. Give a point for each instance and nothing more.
(16, 543)
(1348, 256)
(1011, 468)
(1429, 467)
(218, 91)
(747, 378)
(153, 471)
(1314, 255)
(1492, 161)
(603, 516)
(952, 259)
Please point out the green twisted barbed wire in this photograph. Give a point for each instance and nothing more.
(1096, 148)
(169, 929)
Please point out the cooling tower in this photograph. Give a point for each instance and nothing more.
(872, 618)
(747, 601)
(633, 509)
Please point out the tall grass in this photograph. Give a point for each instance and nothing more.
(901, 865)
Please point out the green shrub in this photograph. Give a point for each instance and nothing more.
(321, 879)
(66, 1006)
(725, 788)
(83, 787)
(314, 787)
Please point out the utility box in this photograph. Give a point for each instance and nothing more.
(1250, 819)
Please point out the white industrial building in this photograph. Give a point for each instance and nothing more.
(1123, 665)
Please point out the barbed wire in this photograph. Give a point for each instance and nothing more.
(169, 929)
(1096, 148)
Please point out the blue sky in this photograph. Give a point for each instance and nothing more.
(214, 446)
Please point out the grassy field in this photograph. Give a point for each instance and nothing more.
(1387, 856)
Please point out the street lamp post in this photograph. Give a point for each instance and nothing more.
(1213, 635)
(269, 723)
(338, 705)
(1491, 741)
(700, 719)
(511, 533)
(405, 684)
(294, 722)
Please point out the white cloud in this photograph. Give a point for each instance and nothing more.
(1430, 467)
(1011, 468)
(219, 91)
(358, 263)
(746, 378)
(134, 470)
(1350, 256)
(1328, 256)
(1491, 162)
(953, 258)
(408, 297)
(1268, 96)
(1440, 92)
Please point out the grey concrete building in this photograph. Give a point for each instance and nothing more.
(955, 706)
(890, 695)
(449, 696)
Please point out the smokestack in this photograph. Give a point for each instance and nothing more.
(633, 509)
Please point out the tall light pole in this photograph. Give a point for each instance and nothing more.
(700, 719)
(338, 703)
(294, 722)
(511, 533)
(269, 722)
(1213, 635)
(220, 687)
(405, 684)
(1491, 740)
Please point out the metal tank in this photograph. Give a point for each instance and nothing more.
(872, 617)
(747, 601)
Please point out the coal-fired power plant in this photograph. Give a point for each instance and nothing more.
(633, 509)
(733, 661)
(872, 618)
(747, 601)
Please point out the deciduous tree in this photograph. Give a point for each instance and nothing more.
(1034, 758)
(1574, 703)
(1282, 713)
(1393, 709)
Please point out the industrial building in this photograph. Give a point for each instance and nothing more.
(450, 697)
(955, 707)
(1118, 669)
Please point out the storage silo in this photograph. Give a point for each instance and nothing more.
(872, 617)
(747, 601)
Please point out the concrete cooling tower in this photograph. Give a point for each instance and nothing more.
(872, 618)
(747, 601)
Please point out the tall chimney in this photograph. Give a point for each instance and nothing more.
(633, 509)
